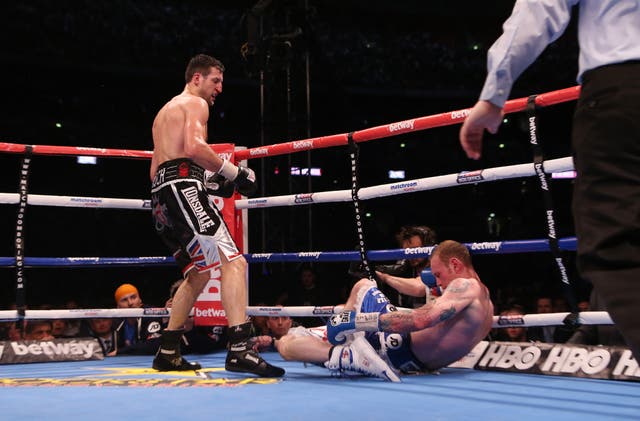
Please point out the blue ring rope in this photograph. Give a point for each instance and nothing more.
(495, 247)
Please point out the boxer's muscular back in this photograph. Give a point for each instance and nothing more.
(450, 340)
(169, 130)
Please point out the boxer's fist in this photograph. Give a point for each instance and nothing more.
(430, 281)
(340, 325)
(246, 181)
(217, 185)
(244, 178)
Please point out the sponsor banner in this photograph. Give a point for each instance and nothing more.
(60, 349)
(303, 198)
(460, 114)
(401, 126)
(405, 186)
(156, 311)
(422, 251)
(471, 359)
(469, 177)
(272, 311)
(258, 202)
(490, 246)
(511, 320)
(323, 310)
(314, 254)
(573, 360)
(261, 256)
(172, 382)
(208, 310)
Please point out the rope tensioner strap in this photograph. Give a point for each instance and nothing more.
(354, 155)
(538, 164)
(23, 192)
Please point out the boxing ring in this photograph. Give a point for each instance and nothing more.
(115, 386)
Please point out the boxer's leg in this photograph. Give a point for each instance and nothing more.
(168, 357)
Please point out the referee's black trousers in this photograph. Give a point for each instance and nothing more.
(606, 198)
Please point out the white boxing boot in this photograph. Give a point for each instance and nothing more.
(360, 357)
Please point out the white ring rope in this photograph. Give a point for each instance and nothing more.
(407, 186)
(99, 313)
(528, 320)
(77, 201)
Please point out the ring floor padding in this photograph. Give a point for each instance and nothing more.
(305, 393)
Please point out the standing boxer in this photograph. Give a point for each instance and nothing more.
(183, 166)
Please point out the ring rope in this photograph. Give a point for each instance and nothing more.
(365, 193)
(486, 247)
(409, 186)
(77, 201)
(527, 320)
(392, 129)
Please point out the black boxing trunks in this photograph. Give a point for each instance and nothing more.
(185, 219)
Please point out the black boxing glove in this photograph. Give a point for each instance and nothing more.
(217, 185)
(400, 269)
(246, 181)
(244, 178)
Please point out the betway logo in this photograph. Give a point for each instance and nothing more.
(540, 172)
(460, 114)
(551, 223)
(261, 255)
(303, 144)
(52, 348)
(491, 245)
(82, 148)
(258, 151)
(419, 250)
(408, 124)
(532, 130)
(314, 254)
(210, 312)
(225, 155)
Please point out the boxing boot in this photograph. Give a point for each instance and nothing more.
(242, 359)
(360, 357)
(168, 357)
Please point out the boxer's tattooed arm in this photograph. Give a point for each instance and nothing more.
(398, 321)
(459, 286)
(457, 297)
(447, 314)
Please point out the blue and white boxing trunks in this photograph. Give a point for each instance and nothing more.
(395, 347)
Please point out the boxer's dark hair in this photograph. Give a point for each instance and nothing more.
(202, 64)
(426, 234)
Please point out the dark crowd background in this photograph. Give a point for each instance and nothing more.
(94, 73)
